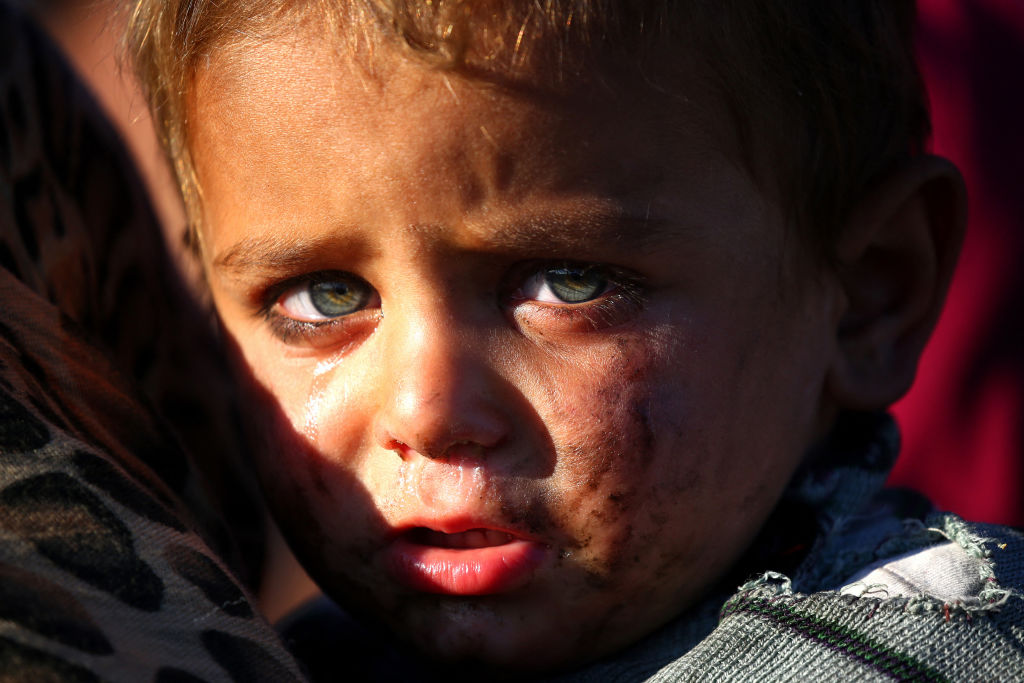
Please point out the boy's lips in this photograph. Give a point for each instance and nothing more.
(475, 561)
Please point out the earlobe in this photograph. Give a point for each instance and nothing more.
(896, 257)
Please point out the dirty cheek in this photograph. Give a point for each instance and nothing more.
(615, 494)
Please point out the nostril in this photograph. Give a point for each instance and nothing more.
(463, 429)
(461, 451)
(455, 453)
(401, 449)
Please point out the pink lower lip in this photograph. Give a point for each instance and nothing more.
(464, 571)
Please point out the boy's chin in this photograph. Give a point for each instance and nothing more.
(459, 660)
(470, 632)
(467, 637)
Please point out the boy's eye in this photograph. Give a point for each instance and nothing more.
(567, 284)
(326, 297)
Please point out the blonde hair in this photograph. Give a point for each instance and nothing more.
(825, 96)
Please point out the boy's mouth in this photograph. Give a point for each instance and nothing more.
(472, 538)
(477, 561)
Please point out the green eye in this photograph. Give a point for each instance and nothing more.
(567, 284)
(576, 285)
(335, 298)
(326, 296)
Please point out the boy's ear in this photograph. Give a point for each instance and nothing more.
(895, 260)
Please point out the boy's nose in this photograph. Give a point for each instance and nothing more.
(441, 397)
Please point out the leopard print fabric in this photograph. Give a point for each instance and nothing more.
(78, 230)
(113, 562)
(101, 574)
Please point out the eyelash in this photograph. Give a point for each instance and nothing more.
(290, 330)
(625, 294)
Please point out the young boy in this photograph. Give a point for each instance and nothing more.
(562, 320)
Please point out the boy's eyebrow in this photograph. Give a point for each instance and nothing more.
(270, 252)
(280, 253)
(586, 233)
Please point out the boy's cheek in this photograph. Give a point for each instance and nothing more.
(314, 502)
(328, 516)
(619, 478)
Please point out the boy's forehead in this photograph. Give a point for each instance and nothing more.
(302, 71)
(289, 121)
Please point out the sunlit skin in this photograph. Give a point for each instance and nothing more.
(434, 381)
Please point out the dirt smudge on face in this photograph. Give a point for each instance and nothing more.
(621, 499)
(535, 518)
(642, 413)
(599, 462)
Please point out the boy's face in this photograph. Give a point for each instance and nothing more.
(533, 370)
